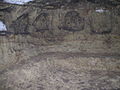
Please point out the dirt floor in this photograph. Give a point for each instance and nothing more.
(58, 67)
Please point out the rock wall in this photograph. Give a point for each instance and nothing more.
(60, 45)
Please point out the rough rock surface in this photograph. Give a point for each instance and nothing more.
(60, 45)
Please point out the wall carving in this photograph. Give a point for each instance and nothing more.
(20, 25)
(73, 22)
(42, 22)
(101, 23)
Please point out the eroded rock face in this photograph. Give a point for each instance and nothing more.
(60, 45)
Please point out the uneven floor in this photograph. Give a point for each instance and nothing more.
(58, 67)
(63, 71)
